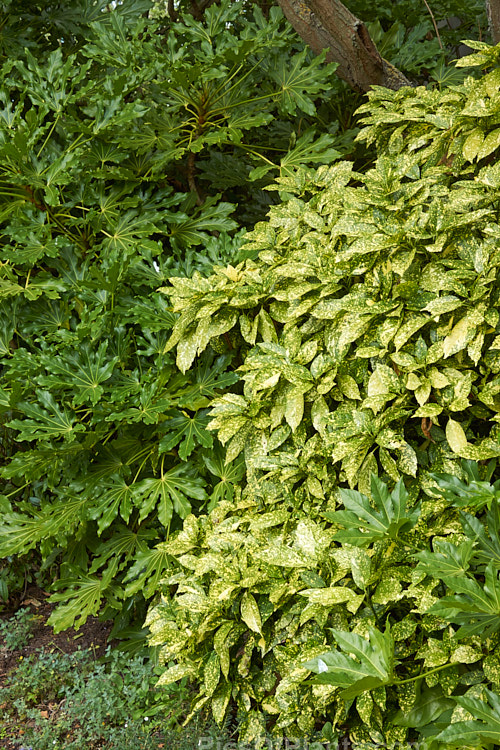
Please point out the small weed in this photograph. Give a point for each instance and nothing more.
(71, 701)
(43, 676)
(18, 630)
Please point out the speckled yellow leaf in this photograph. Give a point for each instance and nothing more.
(294, 407)
(472, 144)
(250, 612)
(455, 436)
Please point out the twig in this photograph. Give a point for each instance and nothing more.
(425, 426)
(434, 22)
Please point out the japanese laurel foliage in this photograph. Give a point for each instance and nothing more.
(125, 145)
(354, 577)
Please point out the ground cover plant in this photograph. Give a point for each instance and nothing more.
(53, 699)
(353, 578)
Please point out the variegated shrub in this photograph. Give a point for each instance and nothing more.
(365, 321)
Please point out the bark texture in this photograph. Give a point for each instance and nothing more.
(493, 8)
(329, 24)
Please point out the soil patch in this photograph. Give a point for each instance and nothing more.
(93, 635)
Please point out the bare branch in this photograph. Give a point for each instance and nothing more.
(171, 10)
(329, 24)
(434, 22)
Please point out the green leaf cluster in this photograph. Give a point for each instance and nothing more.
(297, 622)
(366, 324)
(126, 145)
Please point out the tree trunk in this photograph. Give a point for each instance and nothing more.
(329, 24)
(493, 8)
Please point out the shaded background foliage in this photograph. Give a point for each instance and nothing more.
(123, 153)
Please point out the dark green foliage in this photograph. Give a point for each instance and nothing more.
(350, 341)
(457, 19)
(126, 145)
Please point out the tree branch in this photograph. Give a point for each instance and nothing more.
(493, 9)
(171, 10)
(329, 24)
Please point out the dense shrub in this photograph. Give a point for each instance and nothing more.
(126, 145)
(368, 337)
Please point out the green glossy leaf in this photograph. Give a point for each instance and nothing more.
(484, 727)
(386, 518)
(430, 704)
(250, 612)
(368, 665)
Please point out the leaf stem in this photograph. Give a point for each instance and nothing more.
(48, 135)
(18, 489)
(434, 23)
(139, 469)
(420, 676)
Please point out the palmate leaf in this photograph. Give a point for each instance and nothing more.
(82, 595)
(485, 727)
(152, 403)
(298, 80)
(151, 312)
(363, 664)
(210, 376)
(487, 548)
(122, 545)
(31, 248)
(187, 230)
(474, 493)
(447, 560)
(186, 432)
(20, 533)
(473, 606)
(147, 571)
(44, 461)
(168, 492)
(307, 150)
(123, 234)
(110, 498)
(365, 524)
(82, 372)
(228, 474)
(43, 284)
(45, 421)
